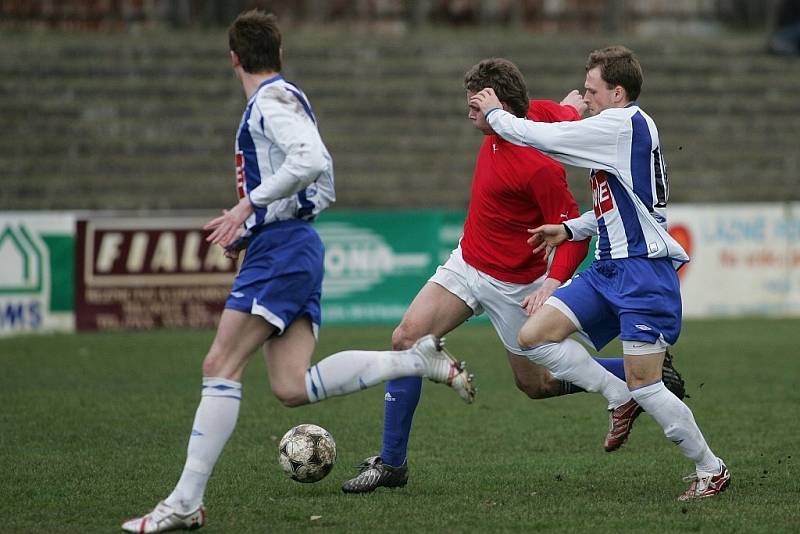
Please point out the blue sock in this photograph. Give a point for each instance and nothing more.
(615, 366)
(400, 402)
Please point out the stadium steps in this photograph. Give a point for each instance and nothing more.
(132, 121)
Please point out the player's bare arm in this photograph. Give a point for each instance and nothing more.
(547, 236)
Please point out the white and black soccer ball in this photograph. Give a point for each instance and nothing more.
(307, 453)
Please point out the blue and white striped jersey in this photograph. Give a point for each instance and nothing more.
(628, 177)
(282, 164)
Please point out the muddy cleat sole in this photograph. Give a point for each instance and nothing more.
(164, 518)
(672, 378)
(444, 368)
(621, 421)
(705, 485)
(373, 474)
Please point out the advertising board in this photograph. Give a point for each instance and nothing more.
(36, 266)
(142, 273)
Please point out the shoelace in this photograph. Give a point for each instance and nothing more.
(699, 484)
(368, 464)
(691, 477)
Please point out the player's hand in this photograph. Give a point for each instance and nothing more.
(485, 100)
(575, 100)
(534, 301)
(232, 253)
(226, 228)
(546, 237)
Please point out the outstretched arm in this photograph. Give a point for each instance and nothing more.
(589, 143)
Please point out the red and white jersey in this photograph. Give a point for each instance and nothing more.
(515, 188)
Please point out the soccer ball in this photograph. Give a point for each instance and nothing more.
(307, 453)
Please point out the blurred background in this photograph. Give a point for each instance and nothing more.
(123, 103)
(132, 105)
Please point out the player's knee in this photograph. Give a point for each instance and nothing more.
(405, 335)
(529, 337)
(213, 364)
(290, 396)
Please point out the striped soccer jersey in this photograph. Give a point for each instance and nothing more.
(628, 178)
(282, 165)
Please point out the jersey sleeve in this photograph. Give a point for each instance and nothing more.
(284, 122)
(557, 206)
(590, 143)
(583, 227)
(549, 111)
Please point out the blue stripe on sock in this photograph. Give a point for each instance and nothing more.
(214, 388)
(221, 387)
(314, 389)
(321, 383)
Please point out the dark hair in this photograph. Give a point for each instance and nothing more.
(256, 39)
(618, 66)
(506, 80)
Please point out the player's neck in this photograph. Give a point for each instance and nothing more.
(250, 82)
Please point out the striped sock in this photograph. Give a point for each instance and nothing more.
(353, 370)
(214, 422)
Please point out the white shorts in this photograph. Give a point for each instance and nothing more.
(502, 301)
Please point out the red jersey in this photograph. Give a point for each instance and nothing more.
(515, 188)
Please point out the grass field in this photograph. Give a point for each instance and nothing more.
(93, 430)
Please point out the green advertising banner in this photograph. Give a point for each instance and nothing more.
(36, 272)
(375, 262)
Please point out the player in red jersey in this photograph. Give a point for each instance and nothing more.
(492, 270)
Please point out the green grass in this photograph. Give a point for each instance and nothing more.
(93, 430)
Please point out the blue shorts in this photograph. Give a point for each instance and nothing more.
(281, 276)
(637, 299)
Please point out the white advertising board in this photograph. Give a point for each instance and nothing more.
(36, 272)
(745, 258)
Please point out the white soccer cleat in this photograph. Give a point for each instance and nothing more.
(442, 367)
(164, 517)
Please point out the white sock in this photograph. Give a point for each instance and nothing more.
(354, 370)
(569, 360)
(678, 423)
(213, 425)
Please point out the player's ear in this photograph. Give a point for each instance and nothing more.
(234, 59)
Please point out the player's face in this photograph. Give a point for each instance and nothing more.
(477, 118)
(598, 96)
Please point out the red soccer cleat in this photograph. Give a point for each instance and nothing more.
(620, 423)
(706, 484)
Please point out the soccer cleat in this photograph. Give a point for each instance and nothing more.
(373, 473)
(704, 485)
(621, 421)
(164, 517)
(672, 378)
(442, 367)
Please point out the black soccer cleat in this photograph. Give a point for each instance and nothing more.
(672, 378)
(373, 473)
